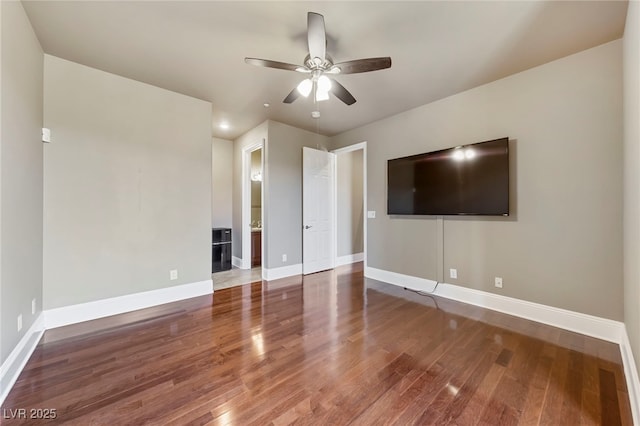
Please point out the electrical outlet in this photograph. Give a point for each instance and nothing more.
(33, 306)
(173, 274)
(453, 273)
(498, 282)
(371, 214)
(284, 257)
(19, 322)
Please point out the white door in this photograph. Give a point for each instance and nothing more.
(317, 210)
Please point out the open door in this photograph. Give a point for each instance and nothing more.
(317, 210)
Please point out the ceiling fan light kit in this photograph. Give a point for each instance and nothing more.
(322, 87)
(324, 83)
(304, 88)
(319, 64)
(321, 96)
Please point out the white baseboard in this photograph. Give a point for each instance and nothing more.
(117, 305)
(239, 263)
(589, 325)
(631, 376)
(349, 259)
(282, 272)
(13, 365)
(401, 280)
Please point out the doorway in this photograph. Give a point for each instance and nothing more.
(347, 204)
(253, 178)
(256, 208)
(351, 204)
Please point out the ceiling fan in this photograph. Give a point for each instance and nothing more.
(320, 67)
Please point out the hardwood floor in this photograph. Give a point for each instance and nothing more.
(330, 349)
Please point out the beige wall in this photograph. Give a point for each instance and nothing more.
(631, 61)
(127, 193)
(562, 246)
(350, 207)
(283, 191)
(20, 175)
(221, 183)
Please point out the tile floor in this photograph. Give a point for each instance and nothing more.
(235, 277)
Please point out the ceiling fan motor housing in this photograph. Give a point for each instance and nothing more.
(322, 66)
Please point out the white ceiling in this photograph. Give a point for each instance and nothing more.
(438, 48)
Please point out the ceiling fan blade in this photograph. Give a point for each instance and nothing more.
(363, 65)
(292, 96)
(275, 64)
(316, 36)
(341, 93)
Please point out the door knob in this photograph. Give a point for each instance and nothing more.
(307, 227)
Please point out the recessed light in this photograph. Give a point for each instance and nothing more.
(266, 105)
(224, 126)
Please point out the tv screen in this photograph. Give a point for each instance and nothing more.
(465, 180)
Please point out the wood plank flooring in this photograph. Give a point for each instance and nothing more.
(332, 348)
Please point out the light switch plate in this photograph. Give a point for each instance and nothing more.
(46, 135)
(371, 214)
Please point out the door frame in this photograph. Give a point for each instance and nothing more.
(245, 231)
(355, 147)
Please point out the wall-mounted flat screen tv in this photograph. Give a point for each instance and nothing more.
(465, 180)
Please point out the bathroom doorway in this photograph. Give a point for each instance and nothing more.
(256, 208)
(253, 208)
